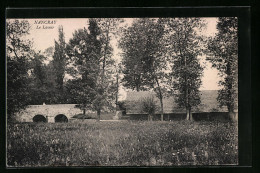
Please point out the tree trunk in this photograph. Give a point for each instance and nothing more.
(117, 88)
(98, 114)
(150, 117)
(230, 104)
(160, 97)
(188, 114)
(104, 60)
(161, 101)
(84, 111)
(186, 92)
(232, 115)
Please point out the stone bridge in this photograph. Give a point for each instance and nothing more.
(48, 113)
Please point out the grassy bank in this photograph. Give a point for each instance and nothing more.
(126, 143)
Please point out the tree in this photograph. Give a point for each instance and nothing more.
(81, 93)
(52, 96)
(38, 69)
(42, 82)
(143, 57)
(84, 50)
(223, 54)
(59, 62)
(185, 46)
(107, 87)
(18, 50)
(17, 91)
(49, 52)
(37, 79)
(109, 29)
(98, 39)
(17, 46)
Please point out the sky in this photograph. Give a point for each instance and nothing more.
(43, 36)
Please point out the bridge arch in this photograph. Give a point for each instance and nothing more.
(61, 118)
(39, 118)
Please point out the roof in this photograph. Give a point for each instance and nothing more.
(208, 103)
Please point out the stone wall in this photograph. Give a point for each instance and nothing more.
(51, 111)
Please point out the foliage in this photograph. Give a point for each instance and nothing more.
(59, 60)
(52, 95)
(81, 93)
(109, 29)
(38, 80)
(17, 91)
(91, 53)
(38, 69)
(141, 44)
(84, 50)
(42, 81)
(49, 52)
(223, 54)
(18, 51)
(143, 56)
(185, 45)
(125, 143)
(16, 45)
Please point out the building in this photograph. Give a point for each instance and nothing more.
(208, 102)
(208, 108)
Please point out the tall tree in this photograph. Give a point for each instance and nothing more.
(84, 50)
(59, 61)
(52, 97)
(143, 56)
(18, 50)
(223, 54)
(109, 30)
(185, 46)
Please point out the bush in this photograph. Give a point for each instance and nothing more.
(149, 106)
(122, 106)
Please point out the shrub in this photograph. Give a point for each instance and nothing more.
(149, 106)
(122, 106)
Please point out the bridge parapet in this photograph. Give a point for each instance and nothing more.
(51, 111)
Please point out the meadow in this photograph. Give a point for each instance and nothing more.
(122, 143)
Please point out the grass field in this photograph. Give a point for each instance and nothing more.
(124, 143)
